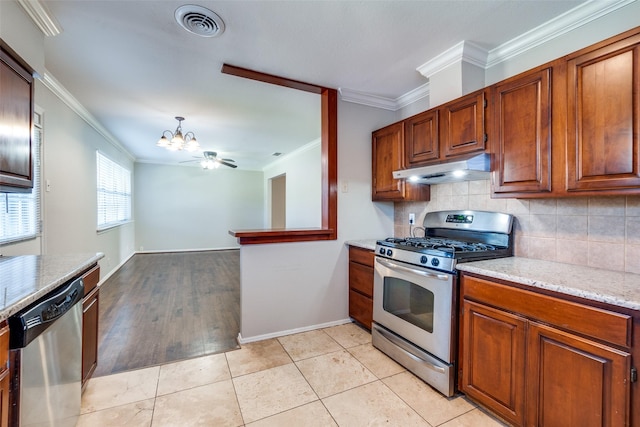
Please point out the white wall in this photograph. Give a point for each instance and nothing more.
(184, 208)
(304, 186)
(69, 162)
(298, 286)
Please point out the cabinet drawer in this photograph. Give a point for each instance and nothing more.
(604, 325)
(361, 308)
(361, 278)
(362, 256)
(91, 279)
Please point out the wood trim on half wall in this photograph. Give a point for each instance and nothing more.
(329, 158)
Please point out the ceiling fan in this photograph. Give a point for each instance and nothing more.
(210, 160)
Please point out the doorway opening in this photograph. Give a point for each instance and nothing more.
(279, 201)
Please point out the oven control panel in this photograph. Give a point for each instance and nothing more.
(459, 218)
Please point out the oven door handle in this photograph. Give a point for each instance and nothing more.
(399, 346)
(426, 273)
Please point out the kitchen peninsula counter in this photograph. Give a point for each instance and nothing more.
(25, 279)
(606, 286)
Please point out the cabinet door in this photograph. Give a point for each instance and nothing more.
(574, 381)
(4, 398)
(4, 375)
(493, 358)
(603, 117)
(522, 134)
(422, 138)
(463, 127)
(388, 153)
(16, 112)
(90, 334)
(388, 156)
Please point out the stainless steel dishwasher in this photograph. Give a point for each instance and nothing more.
(46, 357)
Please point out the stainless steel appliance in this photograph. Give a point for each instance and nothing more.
(415, 289)
(46, 359)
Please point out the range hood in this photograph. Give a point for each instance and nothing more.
(474, 168)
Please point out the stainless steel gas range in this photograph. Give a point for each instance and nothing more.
(415, 289)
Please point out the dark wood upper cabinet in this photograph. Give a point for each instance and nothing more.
(522, 133)
(463, 125)
(422, 139)
(387, 150)
(603, 85)
(444, 133)
(16, 115)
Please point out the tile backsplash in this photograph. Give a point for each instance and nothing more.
(599, 232)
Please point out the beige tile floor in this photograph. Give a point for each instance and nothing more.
(326, 377)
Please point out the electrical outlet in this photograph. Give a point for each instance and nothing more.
(412, 218)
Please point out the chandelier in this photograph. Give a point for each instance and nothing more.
(177, 141)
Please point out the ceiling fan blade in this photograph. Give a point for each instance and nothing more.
(228, 160)
(189, 161)
(231, 165)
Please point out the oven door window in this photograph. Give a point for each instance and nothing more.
(409, 302)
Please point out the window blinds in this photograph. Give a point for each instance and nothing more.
(20, 212)
(114, 193)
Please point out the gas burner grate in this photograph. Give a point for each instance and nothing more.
(442, 244)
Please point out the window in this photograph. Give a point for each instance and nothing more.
(114, 193)
(20, 212)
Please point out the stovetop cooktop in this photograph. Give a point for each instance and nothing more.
(451, 237)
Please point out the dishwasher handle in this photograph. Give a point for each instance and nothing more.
(28, 324)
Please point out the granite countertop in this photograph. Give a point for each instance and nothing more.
(611, 287)
(24, 279)
(365, 244)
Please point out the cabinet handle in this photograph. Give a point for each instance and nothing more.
(426, 273)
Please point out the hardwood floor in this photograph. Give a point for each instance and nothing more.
(165, 307)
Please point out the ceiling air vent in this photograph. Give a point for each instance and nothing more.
(199, 20)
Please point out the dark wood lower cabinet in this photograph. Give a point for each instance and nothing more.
(90, 334)
(90, 313)
(494, 355)
(4, 375)
(575, 381)
(361, 285)
(537, 360)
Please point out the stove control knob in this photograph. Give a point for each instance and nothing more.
(389, 252)
(382, 251)
(435, 262)
(423, 259)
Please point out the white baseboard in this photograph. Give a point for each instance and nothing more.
(242, 340)
(163, 251)
(112, 272)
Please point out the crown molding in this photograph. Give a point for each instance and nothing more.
(367, 99)
(41, 16)
(65, 96)
(464, 51)
(556, 27)
(469, 52)
(412, 96)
